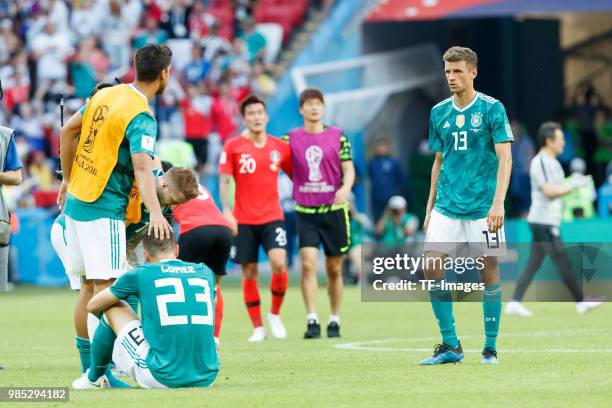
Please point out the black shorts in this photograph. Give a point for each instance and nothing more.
(210, 245)
(270, 235)
(200, 148)
(329, 228)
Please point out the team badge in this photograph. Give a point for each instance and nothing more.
(275, 158)
(476, 120)
(460, 121)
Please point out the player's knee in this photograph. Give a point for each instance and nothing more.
(249, 271)
(278, 265)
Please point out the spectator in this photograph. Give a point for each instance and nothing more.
(261, 83)
(87, 18)
(225, 112)
(50, 49)
(396, 225)
(40, 171)
(151, 33)
(116, 38)
(361, 230)
(237, 65)
(16, 80)
(29, 124)
(386, 176)
(196, 70)
(9, 41)
(199, 21)
(604, 204)
(89, 67)
(579, 202)
(197, 107)
(523, 151)
(176, 19)
(214, 44)
(256, 43)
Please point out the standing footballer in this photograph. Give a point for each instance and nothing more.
(471, 136)
(254, 160)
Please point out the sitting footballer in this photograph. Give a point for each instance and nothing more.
(173, 345)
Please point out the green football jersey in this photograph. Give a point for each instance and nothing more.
(135, 229)
(177, 300)
(113, 201)
(466, 137)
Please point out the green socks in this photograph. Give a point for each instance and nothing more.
(101, 350)
(442, 305)
(84, 348)
(491, 312)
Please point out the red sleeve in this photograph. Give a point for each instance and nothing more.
(286, 163)
(226, 160)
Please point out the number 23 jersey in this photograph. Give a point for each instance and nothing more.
(466, 137)
(255, 171)
(178, 309)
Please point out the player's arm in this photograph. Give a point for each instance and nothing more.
(495, 220)
(69, 140)
(379, 229)
(435, 175)
(143, 172)
(348, 171)
(102, 301)
(224, 193)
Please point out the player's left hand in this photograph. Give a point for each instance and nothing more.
(495, 219)
(341, 196)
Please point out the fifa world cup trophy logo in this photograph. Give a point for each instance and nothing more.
(98, 119)
(314, 155)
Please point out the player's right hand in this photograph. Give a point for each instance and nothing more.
(159, 226)
(232, 222)
(61, 195)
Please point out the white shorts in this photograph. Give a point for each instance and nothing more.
(444, 234)
(130, 355)
(96, 248)
(58, 241)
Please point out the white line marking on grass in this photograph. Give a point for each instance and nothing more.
(367, 345)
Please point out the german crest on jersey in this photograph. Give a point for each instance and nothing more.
(275, 158)
(476, 119)
(460, 121)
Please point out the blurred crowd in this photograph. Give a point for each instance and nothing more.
(50, 48)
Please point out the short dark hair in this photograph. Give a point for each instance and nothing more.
(547, 132)
(250, 100)
(155, 246)
(456, 53)
(151, 60)
(311, 93)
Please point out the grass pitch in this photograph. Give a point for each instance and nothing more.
(555, 358)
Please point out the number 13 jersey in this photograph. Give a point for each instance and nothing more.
(466, 137)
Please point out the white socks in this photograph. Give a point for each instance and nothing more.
(315, 317)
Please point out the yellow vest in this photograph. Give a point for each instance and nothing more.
(105, 121)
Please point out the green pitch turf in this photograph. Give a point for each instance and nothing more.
(555, 358)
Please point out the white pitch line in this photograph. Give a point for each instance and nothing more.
(365, 345)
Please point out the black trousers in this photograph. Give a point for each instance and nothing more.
(546, 241)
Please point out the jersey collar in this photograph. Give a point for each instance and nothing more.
(466, 107)
(138, 92)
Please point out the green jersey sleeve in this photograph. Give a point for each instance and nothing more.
(141, 134)
(500, 126)
(435, 141)
(126, 285)
(346, 153)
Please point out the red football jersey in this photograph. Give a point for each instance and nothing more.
(199, 212)
(255, 171)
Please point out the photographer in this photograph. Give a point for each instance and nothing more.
(396, 225)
